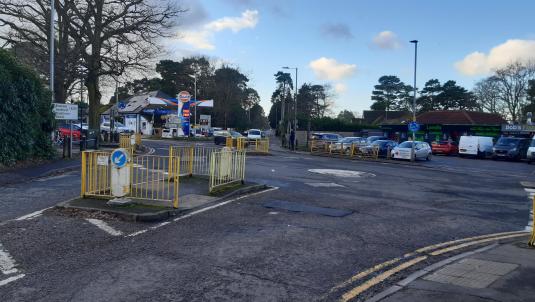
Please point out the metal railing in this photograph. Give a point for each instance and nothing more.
(226, 167)
(151, 177)
(194, 160)
(249, 145)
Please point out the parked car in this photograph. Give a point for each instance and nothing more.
(371, 139)
(422, 151)
(480, 146)
(64, 130)
(220, 137)
(345, 143)
(253, 134)
(329, 137)
(383, 146)
(117, 128)
(511, 148)
(530, 154)
(445, 147)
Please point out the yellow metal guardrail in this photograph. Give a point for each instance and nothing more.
(532, 239)
(126, 143)
(253, 145)
(226, 167)
(194, 160)
(229, 142)
(151, 177)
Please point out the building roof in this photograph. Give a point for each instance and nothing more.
(137, 103)
(375, 117)
(459, 117)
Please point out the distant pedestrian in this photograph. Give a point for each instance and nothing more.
(292, 140)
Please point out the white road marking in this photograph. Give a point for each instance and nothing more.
(52, 177)
(324, 185)
(200, 211)
(104, 226)
(11, 279)
(342, 173)
(32, 215)
(7, 263)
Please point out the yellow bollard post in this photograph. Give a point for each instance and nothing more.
(170, 162)
(190, 162)
(84, 171)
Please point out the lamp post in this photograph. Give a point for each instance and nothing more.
(51, 50)
(295, 104)
(415, 42)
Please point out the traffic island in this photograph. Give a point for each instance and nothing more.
(146, 210)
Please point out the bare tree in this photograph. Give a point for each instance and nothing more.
(118, 35)
(25, 27)
(488, 95)
(512, 83)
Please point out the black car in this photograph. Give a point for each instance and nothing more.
(371, 139)
(511, 148)
(220, 137)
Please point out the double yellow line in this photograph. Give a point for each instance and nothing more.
(410, 259)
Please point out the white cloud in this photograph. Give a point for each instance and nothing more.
(330, 69)
(340, 87)
(202, 39)
(386, 40)
(479, 63)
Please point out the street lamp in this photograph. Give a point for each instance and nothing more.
(295, 104)
(414, 97)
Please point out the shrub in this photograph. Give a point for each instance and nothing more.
(26, 118)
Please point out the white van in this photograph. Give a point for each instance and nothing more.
(475, 146)
(531, 151)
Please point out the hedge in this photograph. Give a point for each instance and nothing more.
(26, 118)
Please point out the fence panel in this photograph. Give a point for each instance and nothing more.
(152, 178)
(194, 160)
(226, 167)
(96, 179)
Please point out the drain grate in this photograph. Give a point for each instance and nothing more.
(299, 207)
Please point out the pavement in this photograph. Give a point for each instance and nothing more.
(327, 229)
(502, 272)
(56, 166)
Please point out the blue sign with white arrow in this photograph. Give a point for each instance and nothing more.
(414, 126)
(119, 158)
(121, 105)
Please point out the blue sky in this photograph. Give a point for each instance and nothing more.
(350, 44)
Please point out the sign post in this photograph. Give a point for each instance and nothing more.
(413, 127)
(184, 97)
(66, 112)
(120, 173)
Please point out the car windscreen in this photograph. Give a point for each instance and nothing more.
(405, 145)
(253, 132)
(504, 141)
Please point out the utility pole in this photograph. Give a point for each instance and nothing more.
(51, 50)
(415, 42)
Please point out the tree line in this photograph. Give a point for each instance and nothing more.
(508, 91)
(236, 104)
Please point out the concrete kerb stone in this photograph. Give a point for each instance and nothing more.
(426, 270)
(164, 214)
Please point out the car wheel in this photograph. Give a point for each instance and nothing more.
(428, 158)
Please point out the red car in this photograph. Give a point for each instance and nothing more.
(65, 131)
(445, 147)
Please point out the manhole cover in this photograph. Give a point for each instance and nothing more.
(342, 173)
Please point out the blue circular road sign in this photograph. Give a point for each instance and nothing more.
(119, 158)
(414, 126)
(121, 105)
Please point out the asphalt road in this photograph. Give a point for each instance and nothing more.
(246, 251)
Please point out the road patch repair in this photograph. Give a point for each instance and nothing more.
(303, 208)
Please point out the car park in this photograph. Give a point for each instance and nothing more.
(445, 147)
(329, 137)
(422, 151)
(511, 148)
(480, 146)
(371, 139)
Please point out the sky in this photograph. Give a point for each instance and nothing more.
(350, 44)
